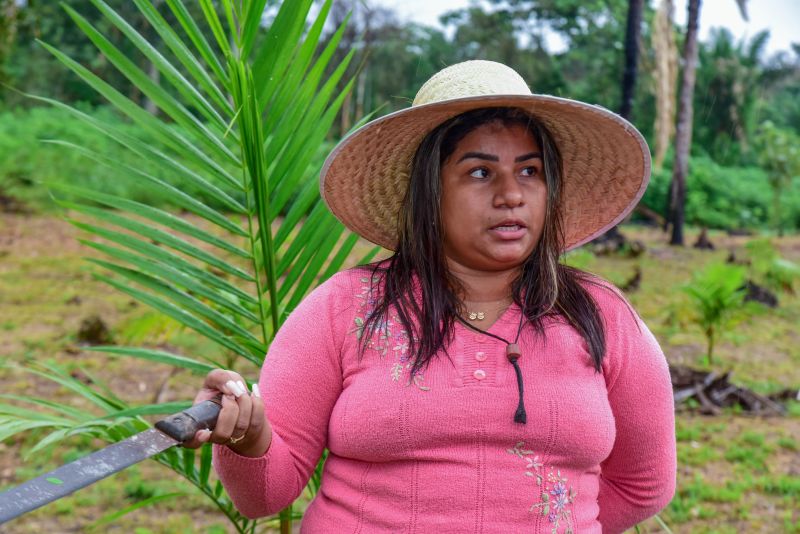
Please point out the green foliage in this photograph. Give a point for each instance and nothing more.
(28, 162)
(769, 268)
(688, 501)
(108, 418)
(717, 293)
(751, 450)
(580, 258)
(228, 132)
(516, 32)
(780, 157)
(737, 85)
(30, 68)
(732, 77)
(398, 57)
(785, 485)
(723, 197)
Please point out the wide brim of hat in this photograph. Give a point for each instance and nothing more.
(606, 164)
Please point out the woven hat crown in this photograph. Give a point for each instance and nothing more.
(471, 78)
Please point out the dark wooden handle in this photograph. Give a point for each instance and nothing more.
(184, 425)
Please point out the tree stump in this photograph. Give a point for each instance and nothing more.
(703, 242)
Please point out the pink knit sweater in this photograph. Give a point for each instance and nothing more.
(441, 453)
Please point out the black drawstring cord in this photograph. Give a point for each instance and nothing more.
(513, 354)
(519, 416)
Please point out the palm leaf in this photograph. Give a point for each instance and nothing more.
(159, 236)
(167, 258)
(198, 39)
(172, 107)
(113, 516)
(153, 214)
(167, 272)
(157, 356)
(187, 59)
(241, 117)
(140, 116)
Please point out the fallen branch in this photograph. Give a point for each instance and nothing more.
(713, 392)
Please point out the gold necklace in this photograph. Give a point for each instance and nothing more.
(481, 315)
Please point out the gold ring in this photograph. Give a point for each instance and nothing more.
(234, 441)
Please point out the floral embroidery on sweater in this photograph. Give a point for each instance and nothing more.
(387, 337)
(555, 497)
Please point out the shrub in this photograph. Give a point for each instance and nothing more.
(724, 197)
(768, 267)
(28, 162)
(717, 292)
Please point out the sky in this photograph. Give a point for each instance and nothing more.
(781, 17)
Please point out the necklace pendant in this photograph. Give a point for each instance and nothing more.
(473, 316)
(481, 316)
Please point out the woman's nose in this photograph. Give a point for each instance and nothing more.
(508, 192)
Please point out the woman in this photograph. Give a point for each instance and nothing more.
(470, 383)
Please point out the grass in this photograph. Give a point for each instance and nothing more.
(736, 473)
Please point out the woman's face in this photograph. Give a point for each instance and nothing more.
(494, 198)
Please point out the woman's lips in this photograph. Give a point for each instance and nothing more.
(509, 231)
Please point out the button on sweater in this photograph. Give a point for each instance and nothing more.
(439, 451)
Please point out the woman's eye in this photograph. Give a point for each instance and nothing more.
(530, 171)
(480, 172)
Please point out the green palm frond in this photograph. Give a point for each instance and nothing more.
(241, 110)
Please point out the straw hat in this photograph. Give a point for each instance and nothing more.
(606, 161)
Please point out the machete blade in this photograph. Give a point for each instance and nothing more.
(60, 482)
(78, 474)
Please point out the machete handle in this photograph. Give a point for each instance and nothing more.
(182, 426)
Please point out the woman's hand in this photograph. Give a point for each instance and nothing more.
(241, 424)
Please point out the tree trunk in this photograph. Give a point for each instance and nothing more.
(665, 76)
(632, 33)
(683, 130)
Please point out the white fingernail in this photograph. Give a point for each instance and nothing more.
(256, 391)
(242, 386)
(233, 388)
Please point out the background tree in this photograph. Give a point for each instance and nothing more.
(9, 19)
(30, 68)
(565, 48)
(593, 33)
(633, 30)
(683, 129)
(781, 104)
(665, 77)
(732, 78)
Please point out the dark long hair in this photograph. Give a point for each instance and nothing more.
(544, 287)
